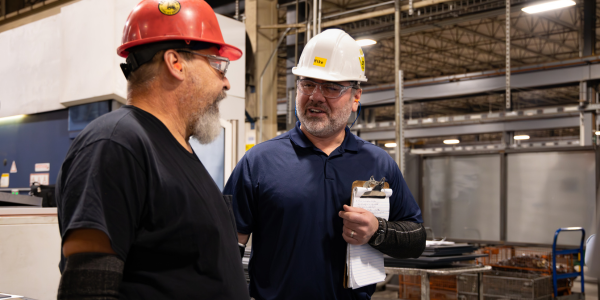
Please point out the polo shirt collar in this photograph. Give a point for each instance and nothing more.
(299, 138)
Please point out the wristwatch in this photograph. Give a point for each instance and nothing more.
(379, 235)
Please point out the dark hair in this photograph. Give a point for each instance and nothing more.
(142, 54)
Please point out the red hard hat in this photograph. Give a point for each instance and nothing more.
(153, 21)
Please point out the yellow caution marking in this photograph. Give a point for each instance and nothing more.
(320, 62)
(362, 62)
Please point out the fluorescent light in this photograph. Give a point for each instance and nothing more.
(12, 118)
(366, 42)
(451, 142)
(521, 137)
(548, 6)
(597, 132)
(390, 145)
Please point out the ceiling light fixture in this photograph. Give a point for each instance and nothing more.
(597, 132)
(390, 145)
(521, 137)
(548, 6)
(366, 42)
(451, 142)
(12, 118)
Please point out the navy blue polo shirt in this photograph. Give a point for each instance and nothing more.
(288, 193)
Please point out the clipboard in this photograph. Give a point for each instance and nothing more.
(355, 184)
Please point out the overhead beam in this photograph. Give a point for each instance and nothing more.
(542, 124)
(359, 17)
(448, 22)
(449, 86)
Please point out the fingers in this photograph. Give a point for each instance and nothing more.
(354, 209)
(360, 216)
(349, 237)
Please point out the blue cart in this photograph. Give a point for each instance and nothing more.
(555, 276)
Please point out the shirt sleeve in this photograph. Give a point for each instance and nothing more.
(240, 186)
(403, 206)
(102, 187)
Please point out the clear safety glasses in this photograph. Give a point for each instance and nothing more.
(219, 63)
(328, 89)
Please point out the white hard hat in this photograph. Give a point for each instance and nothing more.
(332, 55)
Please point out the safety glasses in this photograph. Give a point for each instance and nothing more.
(328, 89)
(219, 63)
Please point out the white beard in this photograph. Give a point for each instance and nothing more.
(208, 127)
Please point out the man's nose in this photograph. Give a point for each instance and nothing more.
(226, 85)
(317, 94)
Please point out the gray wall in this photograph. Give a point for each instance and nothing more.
(544, 191)
(462, 196)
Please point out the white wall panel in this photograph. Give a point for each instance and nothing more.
(30, 255)
(71, 59)
(89, 50)
(122, 10)
(234, 33)
(30, 69)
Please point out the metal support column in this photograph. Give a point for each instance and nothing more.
(503, 198)
(425, 287)
(295, 44)
(314, 25)
(586, 129)
(589, 27)
(507, 33)
(261, 84)
(399, 155)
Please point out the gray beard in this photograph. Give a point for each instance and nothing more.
(208, 127)
(325, 128)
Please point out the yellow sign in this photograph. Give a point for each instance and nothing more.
(248, 146)
(169, 7)
(361, 53)
(4, 180)
(361, 59)
(320, 62)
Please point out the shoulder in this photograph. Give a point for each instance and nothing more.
(122, 126)
(376, 152)
(271, 147)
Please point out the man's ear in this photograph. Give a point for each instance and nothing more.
(356, 99)
(174, 64)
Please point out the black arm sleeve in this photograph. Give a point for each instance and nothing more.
(399, 239)
(91, 276)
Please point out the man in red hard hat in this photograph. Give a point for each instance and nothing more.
(139, 215)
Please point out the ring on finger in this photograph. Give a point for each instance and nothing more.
(352, 233)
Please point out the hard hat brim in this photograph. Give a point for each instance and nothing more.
(229, 51)
(324, 75)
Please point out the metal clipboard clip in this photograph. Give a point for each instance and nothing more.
(376, 187)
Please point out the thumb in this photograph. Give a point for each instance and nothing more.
(351, 209)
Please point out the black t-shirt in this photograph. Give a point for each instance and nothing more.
(127, 176)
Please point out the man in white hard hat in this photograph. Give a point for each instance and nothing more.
(292, 192)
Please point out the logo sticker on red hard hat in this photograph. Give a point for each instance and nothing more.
(169, 7)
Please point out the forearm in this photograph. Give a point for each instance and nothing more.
(400, 239)
(91, 276)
